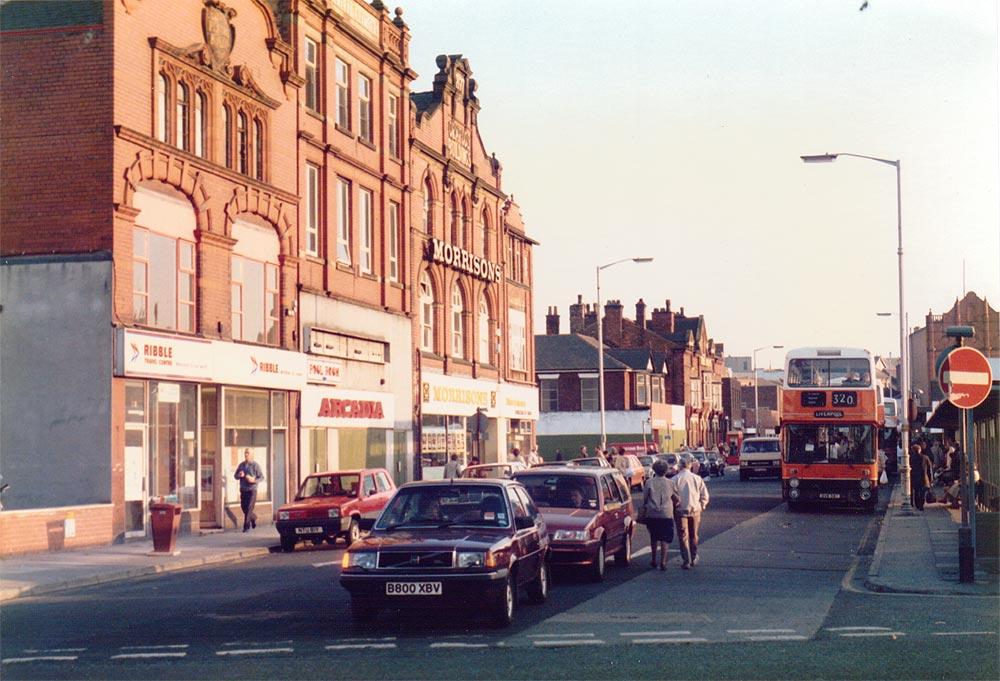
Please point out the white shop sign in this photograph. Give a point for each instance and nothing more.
(519, 402)
(323, 371)
(457, 396)
(333, 408)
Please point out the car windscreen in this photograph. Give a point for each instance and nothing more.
(646, 460)
(830, 443)
(761, 446)
(552, 490)
(446, 505)
(337, 485)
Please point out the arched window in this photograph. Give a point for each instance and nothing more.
(428, 206)
(457, 327)
(183, 136)
(242, 142)
(484, 331)
(258, 145)
(485, 227)
(163, 108)
(227, 125)
(456, 225)
(200, 107)
(426, 313)
(255, 300)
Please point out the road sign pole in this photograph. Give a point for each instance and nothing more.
(967, 533)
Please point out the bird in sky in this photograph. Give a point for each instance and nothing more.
(864, 6)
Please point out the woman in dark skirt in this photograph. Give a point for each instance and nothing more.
(657, 513)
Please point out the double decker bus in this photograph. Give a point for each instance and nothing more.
(831, 416)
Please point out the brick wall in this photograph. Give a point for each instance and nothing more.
(44, 529)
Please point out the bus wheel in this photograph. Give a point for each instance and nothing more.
(795, 506)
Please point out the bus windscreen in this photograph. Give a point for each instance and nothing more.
(826, 443)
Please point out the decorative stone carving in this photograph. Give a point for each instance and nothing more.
(220, 35)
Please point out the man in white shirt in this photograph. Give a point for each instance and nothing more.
(453, 469)
(690, 497)
(515, 456)
(534, 458)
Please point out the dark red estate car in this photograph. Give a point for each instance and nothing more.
(471, 544)
(334, 504)
(589, 513)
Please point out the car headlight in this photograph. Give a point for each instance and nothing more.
(571, 535)
(283, 515)
(467, 559)
(793, 483)
(866, 483)
(333, 513)
(365, 560)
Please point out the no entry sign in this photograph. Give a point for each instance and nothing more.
(965, 377)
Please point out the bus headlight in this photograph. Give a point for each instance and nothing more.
(793, 494)
(866, 483)
(866, 494)
(793, 483)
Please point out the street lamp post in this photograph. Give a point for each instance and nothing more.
(756, 410)
(600, 344)
(904, 379)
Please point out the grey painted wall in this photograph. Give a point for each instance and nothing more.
(55, 380)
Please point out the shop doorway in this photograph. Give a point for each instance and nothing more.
(212, 491)
(136, 477)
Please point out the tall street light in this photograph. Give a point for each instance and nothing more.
(756, 411)
(904, 379)
(600, 343)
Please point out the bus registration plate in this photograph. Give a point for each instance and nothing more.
(829, 495)
(413, 588)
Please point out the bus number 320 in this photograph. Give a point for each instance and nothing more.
(845, 399)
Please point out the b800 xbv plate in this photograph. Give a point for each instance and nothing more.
(413, 588)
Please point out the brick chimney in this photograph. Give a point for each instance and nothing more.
(613, 322)
(576, 316)
(640, 314)
(662, 321)
(552, 321)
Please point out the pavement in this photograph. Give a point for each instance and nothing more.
(916, 552)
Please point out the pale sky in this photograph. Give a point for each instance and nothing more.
(673, 129)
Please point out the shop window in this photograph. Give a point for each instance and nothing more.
(343, 221)
(549, 388)
(426, 313)
(163, 262)
(312, 209)
(517, 327)
(343, 95)
(173, 442)
(365, 108)
(394, 240)
(246, 427)
(485, 356)
(457, 323)
(589, 396)
(442, 436)
(365, 229)
(312, 74)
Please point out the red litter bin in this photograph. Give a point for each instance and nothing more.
(166, 521)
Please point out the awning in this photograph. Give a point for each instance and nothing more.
(948, 417)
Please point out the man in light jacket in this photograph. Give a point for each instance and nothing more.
(690, 497)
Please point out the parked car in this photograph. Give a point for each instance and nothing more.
(473, 544)
(334, 504)
(760, 456)
(716, 464)
(493, 470)
(647, 464)
(671, 460)
(597, 461)
(589, 513)
(631, 469)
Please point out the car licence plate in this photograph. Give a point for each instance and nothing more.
(829, 496)
(413, 588)
(308, 530)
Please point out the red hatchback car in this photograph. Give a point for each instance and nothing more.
(589, 514)
(334, 504)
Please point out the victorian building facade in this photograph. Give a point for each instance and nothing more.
(216, 255)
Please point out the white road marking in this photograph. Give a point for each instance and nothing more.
(361, 646)
(567, 643)
(160, 647)
(365, 640)
(670, 640)
(41, 658)
(54, 650)
(858, 629)
(144, 656)
(641, 552)
(559, 635)
(760, 631)
(257, 643)
(457, 644)
(254, 651)
(784, 637)
(964, 633)
(656, 633)
(861, 634)
(329, 562)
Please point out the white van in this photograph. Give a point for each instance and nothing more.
(760, 456)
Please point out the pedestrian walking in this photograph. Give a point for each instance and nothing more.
(515, 456)
(534, 458)
(453, 469)
(657, 512)
(559, 455)
(249, 473)
(920, 476)
(690, 498)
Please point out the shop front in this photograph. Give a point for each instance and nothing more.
(192, 409)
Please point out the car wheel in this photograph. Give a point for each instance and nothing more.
(317, 542)
(353, 532)
(795, 506)
(624, 557)
(287, 543)
(538, 591)
(744, 476)
(597, 569)
(363, 612)
(504, 607)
